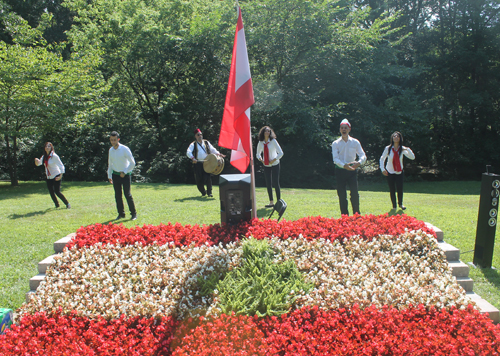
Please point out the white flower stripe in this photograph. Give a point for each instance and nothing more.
(111, 280)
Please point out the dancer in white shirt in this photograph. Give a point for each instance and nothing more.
(344, 151)
(121, 163)
(197, 151)
(393, 170)
(54, 169)
(269, 153)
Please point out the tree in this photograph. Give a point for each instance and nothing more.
(38, 89)
(459, 86)
(165, 67)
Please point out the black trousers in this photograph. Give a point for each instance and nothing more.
(54, 187)
(396, 183)
(120, 183)
(347, 178)
(202, 178)
(272, 175)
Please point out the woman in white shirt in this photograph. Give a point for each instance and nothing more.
(54, 170)
(393, 170)
(269, 153)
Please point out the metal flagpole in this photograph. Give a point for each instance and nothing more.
(252, 170)
(252, 179)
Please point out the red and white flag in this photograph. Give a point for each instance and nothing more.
(235, 129)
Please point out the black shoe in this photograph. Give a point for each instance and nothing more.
(120, 216)
(402, 207)
(269, 206)
(203, 194)
(134, 217)
(68, 206)
(210, 195)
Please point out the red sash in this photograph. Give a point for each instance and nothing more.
(396, 163)
(266, 154)
(46, 163)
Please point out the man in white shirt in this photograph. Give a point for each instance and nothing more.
(197, 151)
(121, 163)
(344, 151)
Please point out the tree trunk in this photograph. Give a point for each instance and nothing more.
(12, 160)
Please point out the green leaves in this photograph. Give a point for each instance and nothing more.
(39, 91)
(259, 286)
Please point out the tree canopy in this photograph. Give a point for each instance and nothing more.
(73, 70)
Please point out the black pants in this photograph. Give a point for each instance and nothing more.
(54, 187)
(396, 183)
(202, 178)
(350, 178)
(118, 183)
(272, 175)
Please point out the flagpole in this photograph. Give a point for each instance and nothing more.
(252, 179)
(236, 118)
(252, 169)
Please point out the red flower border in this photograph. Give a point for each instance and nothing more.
(366, 226)
(309, 331)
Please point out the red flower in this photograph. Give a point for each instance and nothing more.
(309, 331)
(367, 226)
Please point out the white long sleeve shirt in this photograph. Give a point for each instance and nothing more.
(275, 152)
(406, 151)
(345, 152)
(120, 160)
(54, 165)
(202, 154)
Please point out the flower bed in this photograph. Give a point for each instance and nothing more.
(155, 281)
(379, 286)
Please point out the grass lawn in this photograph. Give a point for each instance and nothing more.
(29, 224)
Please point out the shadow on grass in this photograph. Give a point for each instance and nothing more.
(28, 215)
(108, 221)
(266, 212)
(8, 191)
(396, 212)
(492, 275)
(445, 187)
(198, 198)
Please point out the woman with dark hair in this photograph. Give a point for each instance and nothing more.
(54, 170)
(393, 170)
(269, 153)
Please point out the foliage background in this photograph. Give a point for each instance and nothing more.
(156, 69)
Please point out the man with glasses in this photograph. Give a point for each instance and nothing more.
(197, 151)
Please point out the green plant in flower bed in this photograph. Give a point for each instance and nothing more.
(259, 286)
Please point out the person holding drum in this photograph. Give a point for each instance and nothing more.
(269, 153)
(198, 151)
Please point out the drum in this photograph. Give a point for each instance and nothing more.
(213, 164)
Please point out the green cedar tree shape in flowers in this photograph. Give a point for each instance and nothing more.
(259, 286)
